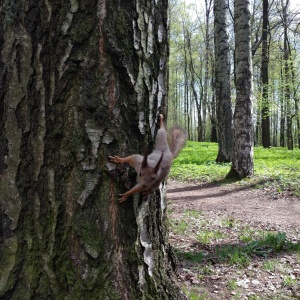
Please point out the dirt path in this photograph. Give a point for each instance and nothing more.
(244, 203)
(197, 214)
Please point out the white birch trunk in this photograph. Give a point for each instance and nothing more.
(243, 130)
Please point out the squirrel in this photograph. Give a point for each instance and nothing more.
(152, 169)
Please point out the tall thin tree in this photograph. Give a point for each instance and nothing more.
(265, 110)
(208, 8)
(222, 82)
(287, 75)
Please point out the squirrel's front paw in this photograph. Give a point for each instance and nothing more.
(116, 159)
(123, 198)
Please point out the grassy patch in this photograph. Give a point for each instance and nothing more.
(225, 258)
(241, 254)
(191, 256)
(208, 236)
(194, 294)
(278, 167)
(178, 226)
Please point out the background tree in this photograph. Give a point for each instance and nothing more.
(208, 9)
(80, 81)
(222, 82)
(270, 103)
(287, 74)
(242, 164)
(187, 71)
(265, 111)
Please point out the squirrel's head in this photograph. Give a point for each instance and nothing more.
(148, 175)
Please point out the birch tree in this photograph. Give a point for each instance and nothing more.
(80, 80)
(242, 164)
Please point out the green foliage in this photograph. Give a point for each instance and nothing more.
(194, 257)
(197, 162)
(270, 265)
(290, 281)
(179, 227)
(193, 213)
(232, 284)
(278, 167)
(234, 255)
(241, 254)
(207, 236)
(193, 294)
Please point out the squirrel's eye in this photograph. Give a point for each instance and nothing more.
(140, 174)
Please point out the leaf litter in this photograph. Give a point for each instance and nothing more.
(235, 242)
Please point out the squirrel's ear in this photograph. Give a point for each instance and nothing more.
(144, 162)
(158, 164)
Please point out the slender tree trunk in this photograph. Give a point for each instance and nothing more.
(80, 81)
(275, 129)
(297, 116)
(222, 82)
(257, 139)
(296, 99)
(286, 70)
(188, 47)
(282, 113)
(265, 111)
(242, 164)
(212, 106)
(186, 81)
(213, 134)
(208, 4)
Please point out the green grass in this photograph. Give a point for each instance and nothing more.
(193, 294)
(208, 236)
(275, 166)
(179, 227)
(192, 257)
(270, 243)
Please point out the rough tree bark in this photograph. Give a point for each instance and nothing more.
(242, 163)
(222, 82)
(80, 80)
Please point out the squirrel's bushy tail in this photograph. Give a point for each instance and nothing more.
(178, 138)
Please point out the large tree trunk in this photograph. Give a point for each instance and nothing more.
(80, 81)
(242, 164)
(222, 82)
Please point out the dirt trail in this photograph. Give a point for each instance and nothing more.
(243, 203)
(269, 275)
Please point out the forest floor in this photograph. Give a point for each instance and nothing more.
(235, 241)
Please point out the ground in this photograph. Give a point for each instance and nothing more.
(235, 241)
